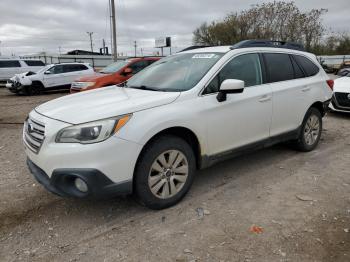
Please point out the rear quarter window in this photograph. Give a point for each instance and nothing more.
(278, 67)
(307, 65)
(9, 63)
(34, 63)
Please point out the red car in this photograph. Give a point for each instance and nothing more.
(113, 74)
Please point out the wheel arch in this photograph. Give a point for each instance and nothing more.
(182, 132)
(319, 106)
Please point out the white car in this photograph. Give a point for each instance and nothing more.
(341, 95)
(57, 76)
(10, 67)
(183, 113)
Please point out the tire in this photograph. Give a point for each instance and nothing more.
(34, 89)
(311, 131)
(162, 182)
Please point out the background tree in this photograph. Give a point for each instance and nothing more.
(275, 21)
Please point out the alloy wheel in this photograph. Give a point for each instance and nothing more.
(168, 174)
(312, 130)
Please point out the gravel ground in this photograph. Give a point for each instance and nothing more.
(298, 202)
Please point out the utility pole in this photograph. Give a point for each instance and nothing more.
(0, 48)
(135, 46)
(90, 35)
(114, 31)
(59, 50)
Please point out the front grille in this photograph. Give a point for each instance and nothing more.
(33, 134)
(342, 99)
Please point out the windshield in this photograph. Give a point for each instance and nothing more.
(176, 73)
(115, 67)
(44, 69)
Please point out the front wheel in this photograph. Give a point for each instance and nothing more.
(164, 172)
(311, 131)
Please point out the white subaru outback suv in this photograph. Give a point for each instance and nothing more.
(185, 112)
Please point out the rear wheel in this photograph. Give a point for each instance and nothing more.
(311, 131)
(164, 172)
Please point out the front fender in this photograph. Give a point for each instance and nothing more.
(146, 124)
(25, 81)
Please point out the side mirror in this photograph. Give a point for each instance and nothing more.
(47, 73)
(230, 86)
(128, 71)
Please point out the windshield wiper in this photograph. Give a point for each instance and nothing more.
(143, 87)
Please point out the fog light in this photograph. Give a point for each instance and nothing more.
(81, 185)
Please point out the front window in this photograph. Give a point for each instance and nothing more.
(245, 67)
(176, 73)
(113, 68)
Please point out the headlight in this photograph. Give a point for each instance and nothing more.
(92, 132)
(83, 85)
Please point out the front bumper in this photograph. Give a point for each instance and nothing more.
(62, 182)
(14, 87)
(335, 108)
(114, 158)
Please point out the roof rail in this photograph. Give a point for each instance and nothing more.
(194, 47)
(268, 43)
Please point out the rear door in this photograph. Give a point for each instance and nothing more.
(287, 84)
(73, 71)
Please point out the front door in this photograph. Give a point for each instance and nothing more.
(243, 118)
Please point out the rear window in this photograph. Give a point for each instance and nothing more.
(279, 67)
(298, 72)
(309, 67)
(9, 63)
(34, 63)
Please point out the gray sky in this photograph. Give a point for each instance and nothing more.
(30, 26)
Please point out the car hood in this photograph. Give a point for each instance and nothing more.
(92, 78)
(342, 85)
(21, 75)
(103, 103)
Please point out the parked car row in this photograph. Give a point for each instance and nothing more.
(74, 76)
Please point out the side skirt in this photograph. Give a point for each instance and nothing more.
(207, 161)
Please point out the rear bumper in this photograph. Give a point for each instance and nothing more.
(62, 182)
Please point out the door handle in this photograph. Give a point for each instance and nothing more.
(264, 98)
(306, 89)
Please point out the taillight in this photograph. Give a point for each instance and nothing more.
(330, 83)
